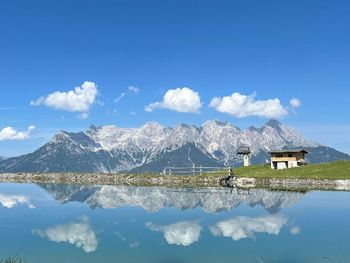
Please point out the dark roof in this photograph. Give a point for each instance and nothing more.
(289, 151)
(243, 150)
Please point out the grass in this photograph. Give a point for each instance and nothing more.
(332, 170)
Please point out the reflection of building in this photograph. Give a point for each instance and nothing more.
(287, 158)
(245, 151)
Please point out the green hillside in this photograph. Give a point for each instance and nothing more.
(332, 170)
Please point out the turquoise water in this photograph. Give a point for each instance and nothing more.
(71, 223)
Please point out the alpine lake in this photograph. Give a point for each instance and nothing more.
(57, 223)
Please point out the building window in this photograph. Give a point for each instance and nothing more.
(290, 155)
(279, 155)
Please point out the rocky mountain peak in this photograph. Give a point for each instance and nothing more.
(152, 124)
(93, 127)
(218, 125)
(215, 123)
(273, 123)
(253, 129)
(60, 136)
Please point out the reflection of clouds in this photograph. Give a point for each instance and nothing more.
(79, 234)
(246, 227)
(120, 236)
(10, 201)
(182, 233)
(134, 244)
(295, 230)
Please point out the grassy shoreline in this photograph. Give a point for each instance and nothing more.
(330, 171)
(335, 175)
(337, 170)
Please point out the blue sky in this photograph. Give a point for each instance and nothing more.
(273, 49)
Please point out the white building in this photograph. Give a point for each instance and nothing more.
(282, 159)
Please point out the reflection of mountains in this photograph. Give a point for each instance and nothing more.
(154, 199)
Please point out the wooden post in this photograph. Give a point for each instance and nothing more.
(201, 170)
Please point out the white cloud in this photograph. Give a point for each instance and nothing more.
(246, 227)
(10, 201)
(10, 133)
(182, 233)
(120, 97)
(295, 230)
(79, 234)
(295, 102)
(100, 102)
(78, 100)
(83, 115)
(240, 106)
(180, 100)
(133, 89)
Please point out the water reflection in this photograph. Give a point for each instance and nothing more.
(153, 199)
(181, 225)
(10, 200)
(131, 244)
(246, 227)
(295, 230)
(182, 233)
(78, 233)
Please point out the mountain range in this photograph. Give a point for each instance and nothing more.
(152, 147)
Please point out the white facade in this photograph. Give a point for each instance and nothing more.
(284, 165)
(292, 164)
(246, 160)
